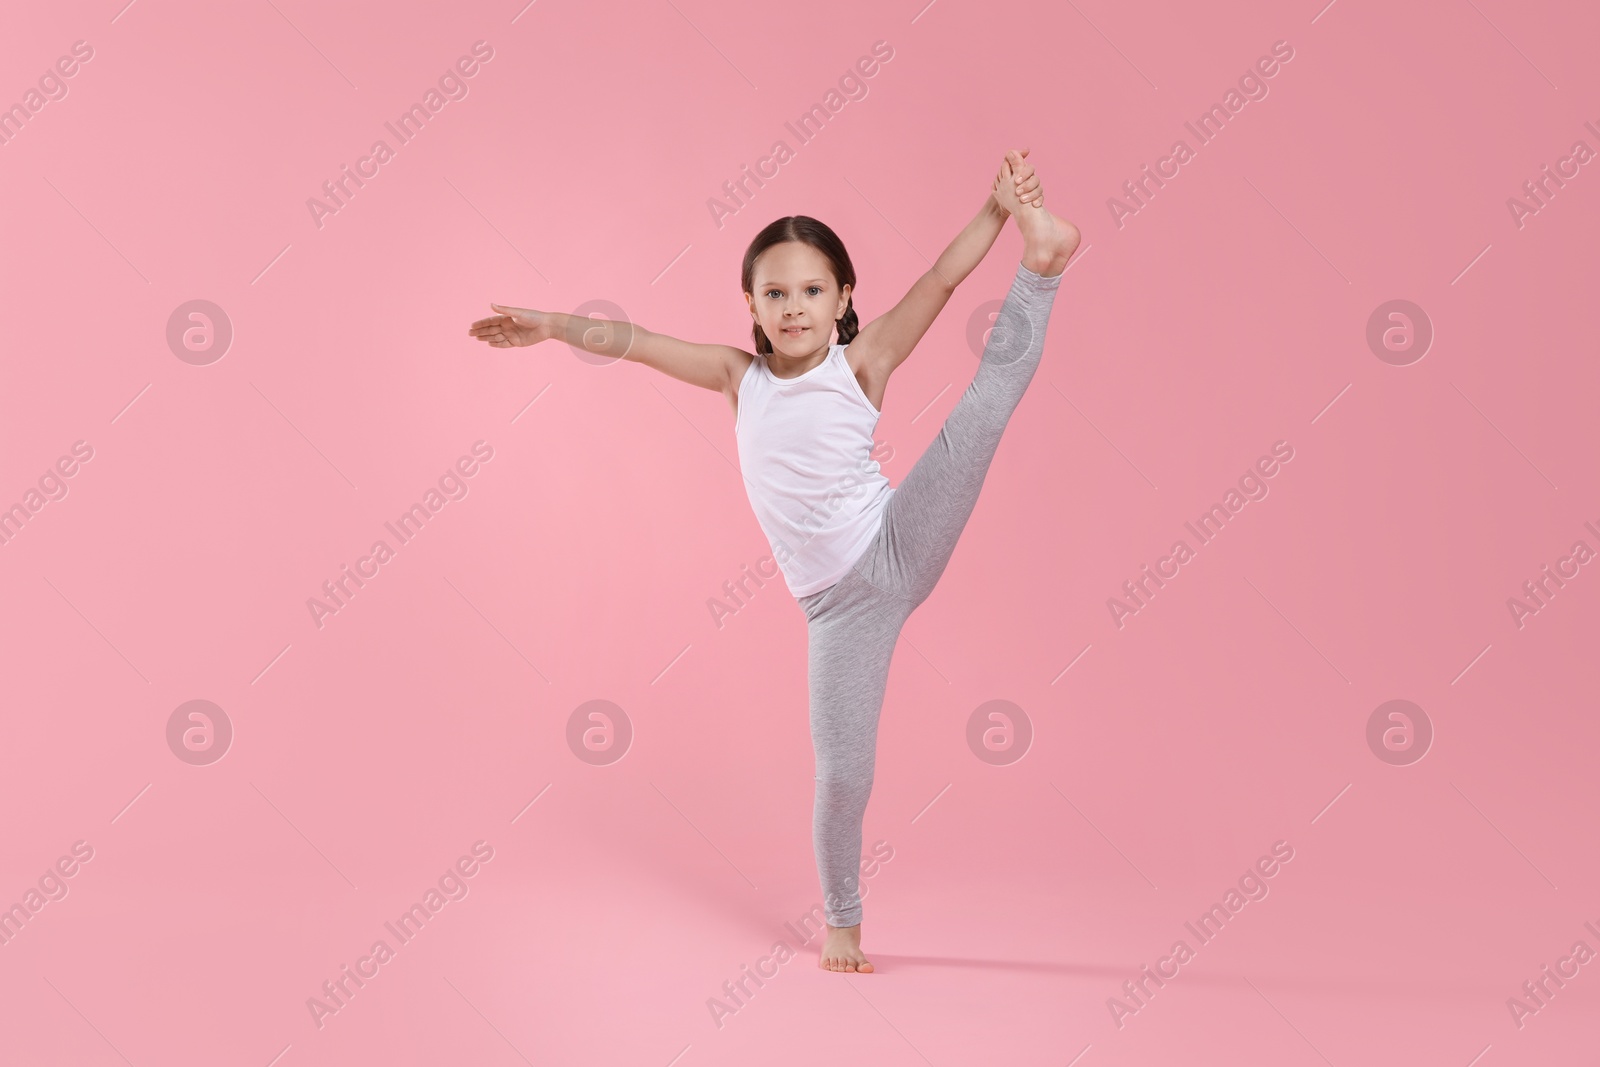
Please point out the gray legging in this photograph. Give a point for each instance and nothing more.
(852, 625)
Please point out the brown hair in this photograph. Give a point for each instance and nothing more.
(809, 231)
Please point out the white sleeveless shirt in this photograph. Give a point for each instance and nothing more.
(805, 448)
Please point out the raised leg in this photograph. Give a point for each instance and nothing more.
(930, 507)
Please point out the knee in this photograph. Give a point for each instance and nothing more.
(844, 789)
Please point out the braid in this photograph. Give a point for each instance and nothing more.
(763, 346)
(848, 324)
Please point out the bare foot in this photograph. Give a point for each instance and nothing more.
(1048, 241)
(842, 949)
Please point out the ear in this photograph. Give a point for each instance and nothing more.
(844, 302)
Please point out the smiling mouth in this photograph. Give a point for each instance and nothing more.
(795, 329)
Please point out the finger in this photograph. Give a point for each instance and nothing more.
(516, 316)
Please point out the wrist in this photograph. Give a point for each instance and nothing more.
(992, 209)
(558, 325)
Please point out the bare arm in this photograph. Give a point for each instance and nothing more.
(885, 342)
(715, 367)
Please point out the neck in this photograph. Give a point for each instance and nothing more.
(787, 366)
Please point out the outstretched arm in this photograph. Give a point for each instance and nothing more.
(709, 366)
(885, 342)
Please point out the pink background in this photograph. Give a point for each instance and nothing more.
(369, 754)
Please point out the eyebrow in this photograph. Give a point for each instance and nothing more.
(808, 281)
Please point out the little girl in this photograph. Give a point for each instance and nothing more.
(858, 554)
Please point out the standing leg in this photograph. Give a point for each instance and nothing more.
(930, 507)
(851, 628)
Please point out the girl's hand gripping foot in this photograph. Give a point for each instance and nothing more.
(1048, 241)
(1025, 185)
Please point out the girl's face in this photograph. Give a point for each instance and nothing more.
(796, 300)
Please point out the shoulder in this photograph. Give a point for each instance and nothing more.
(855, 354)
(863, 353)
(862, 358)
(739, 364)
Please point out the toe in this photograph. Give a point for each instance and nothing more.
(866, 967)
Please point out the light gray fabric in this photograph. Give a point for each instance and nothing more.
(853, 625)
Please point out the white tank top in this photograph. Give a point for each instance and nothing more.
(805, 448)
